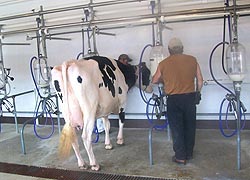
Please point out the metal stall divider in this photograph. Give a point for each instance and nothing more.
(5, 87)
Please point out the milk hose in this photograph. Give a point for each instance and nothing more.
(140, 74)
(78, 56)
(44, 103)
(229, 108)
(154, 101)
(230, 94)
(151, 119)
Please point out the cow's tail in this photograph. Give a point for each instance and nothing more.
(65, 85)
(67, 137)
(67, 134)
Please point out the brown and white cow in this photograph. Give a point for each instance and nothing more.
(91, 89)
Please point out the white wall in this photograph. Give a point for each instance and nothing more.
(199, 38)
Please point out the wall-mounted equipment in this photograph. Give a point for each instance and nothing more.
(157, 54)
(158, 51)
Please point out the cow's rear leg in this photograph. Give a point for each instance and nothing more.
(80, 161)
(106, 123)
(87, 140)
(120, 140)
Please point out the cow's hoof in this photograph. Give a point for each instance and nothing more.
(83, 167)
(120, 141)
(108, 146)
(95, 167)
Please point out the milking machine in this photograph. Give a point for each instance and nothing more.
(236, 71)
(91, 32)
(41, 76)
(5, 87)
(156, 106)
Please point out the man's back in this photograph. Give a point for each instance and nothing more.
(178, 73)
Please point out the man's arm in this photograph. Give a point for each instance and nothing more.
(157, 76)
(199, 78)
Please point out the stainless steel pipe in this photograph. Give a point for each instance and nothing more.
(190, 15)
(70, 8)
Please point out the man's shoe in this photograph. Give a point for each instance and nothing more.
(178, 161)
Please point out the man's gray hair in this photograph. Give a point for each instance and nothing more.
(175, 46)
(176, 50)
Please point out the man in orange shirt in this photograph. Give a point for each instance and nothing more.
(182, 79)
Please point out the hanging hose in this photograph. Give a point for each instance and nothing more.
(33, 76)
(156, 100)
(47, 112)
(140, 74)
(223, 48)
(229, 108)
(47, 105)
(78, 56)
(210, 67)
(40, 74)
(231, 93)
(229, 22)
(97, 133)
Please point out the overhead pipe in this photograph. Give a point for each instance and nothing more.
(48, 37)
(72, 32)
(235, 22)
(159, 24)
(125, 25)
(152, 3)
(43, 36)
(15, 44)
(71, 8)
(193, 16)
(87, 13)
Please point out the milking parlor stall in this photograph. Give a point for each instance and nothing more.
(70, 109)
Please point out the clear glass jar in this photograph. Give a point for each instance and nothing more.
(157, 54)
(42, 73)
(236, 61)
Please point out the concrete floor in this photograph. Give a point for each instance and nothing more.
(215, 157)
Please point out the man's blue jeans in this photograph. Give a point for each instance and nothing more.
(181, 111)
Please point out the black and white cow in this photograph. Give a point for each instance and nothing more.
(91, 89)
